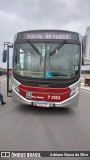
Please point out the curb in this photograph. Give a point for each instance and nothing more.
(84, 89)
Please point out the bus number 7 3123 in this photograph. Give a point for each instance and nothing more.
(45, 68)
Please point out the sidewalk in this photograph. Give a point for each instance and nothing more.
(87, 88)
(3, 77)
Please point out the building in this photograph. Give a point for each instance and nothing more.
(83, 49)
(85, 69)
(86, 48)
(88, 43)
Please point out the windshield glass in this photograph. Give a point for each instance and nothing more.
(47, 60)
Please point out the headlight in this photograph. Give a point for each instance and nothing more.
(73, 91)
(15, 87)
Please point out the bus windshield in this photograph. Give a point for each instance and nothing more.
(47, 60)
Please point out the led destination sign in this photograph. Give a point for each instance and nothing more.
(48, 35)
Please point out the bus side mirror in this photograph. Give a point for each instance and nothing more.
(4, 55)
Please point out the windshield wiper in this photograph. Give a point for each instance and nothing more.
(58, 74)
(58, 47)
(35, 49)
(33, 46)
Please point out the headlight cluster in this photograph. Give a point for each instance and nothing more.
(73, 91)
(16, 87)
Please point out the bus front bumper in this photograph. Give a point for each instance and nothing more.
(70, 102)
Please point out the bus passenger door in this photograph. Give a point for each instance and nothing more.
(7, 56)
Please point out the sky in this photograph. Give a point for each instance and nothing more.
(21, 15)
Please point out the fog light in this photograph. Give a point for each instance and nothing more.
(73, 91)
(15, 87)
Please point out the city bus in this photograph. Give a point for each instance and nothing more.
(45, 68)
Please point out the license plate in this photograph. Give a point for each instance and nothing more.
(42, 104)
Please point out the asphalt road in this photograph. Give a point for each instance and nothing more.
(27, 128)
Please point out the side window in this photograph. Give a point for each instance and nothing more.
(19, 59)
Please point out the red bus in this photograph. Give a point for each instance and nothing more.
(45, 68)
